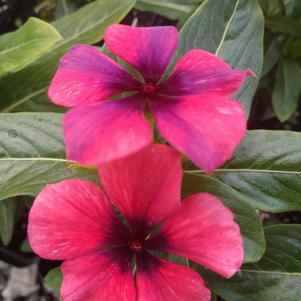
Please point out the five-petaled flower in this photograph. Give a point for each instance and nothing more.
(192, 109)
(107, 240)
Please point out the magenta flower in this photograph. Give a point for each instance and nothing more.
(106, 258)
(191, 108)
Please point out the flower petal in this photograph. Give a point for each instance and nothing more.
(146, 185)
(200, 71)
(105, 131)
(148, 49)
(98, 277)
(206, 128)
(70, 219)
(158, 279)
(85, 75)
(204, 231)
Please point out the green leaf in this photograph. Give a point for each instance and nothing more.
(292, 48)
(54, 279)
(286, 91)
(276, 277)
(266, 169)
(272, 56)
(171, 9)
(272, 7)
(213, 297)
(233, 30)
(8, 217)
(289, 6)
(26, 90)
(25, 247)
(20, 48)
(284, 25)
(245, 214)
(32, 154)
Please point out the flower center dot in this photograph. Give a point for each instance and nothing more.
(136, 246)
(148, 88)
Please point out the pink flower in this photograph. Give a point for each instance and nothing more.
(191, 108)
(76, 221)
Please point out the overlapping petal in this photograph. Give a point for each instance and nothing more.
(158, 279)
(146, 185)
(204, 231)
(98, 277)
(148, 49)
(206, 128)
(106, 131)
(85, 75)
(199, 71)
(70, 219)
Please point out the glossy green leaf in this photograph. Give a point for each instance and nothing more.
(287, 88)
(284, 25)
(276, 277)
(266, 169)
(234, 31)
(26, 90)
(54, 279)
(20, 48)
(32, 154)
(245, 215)
(171, 9)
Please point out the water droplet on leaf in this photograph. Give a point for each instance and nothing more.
(12, 133)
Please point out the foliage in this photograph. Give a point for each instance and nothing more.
(263, 175)
(282, 53)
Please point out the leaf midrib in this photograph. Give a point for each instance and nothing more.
(194, 172)
(294, 274)
(226, 29)
(246, 170)
(26, 43)
(178, 7)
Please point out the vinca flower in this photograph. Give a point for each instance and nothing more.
(191, 109)
(111, 239)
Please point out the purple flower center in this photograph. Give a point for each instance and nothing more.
(148, 88)
(136, 246)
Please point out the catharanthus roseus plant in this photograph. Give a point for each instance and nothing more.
(191, 109)
(107, 238)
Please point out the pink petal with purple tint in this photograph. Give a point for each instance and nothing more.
(106, 131)
(70, 219)
(146, 185)
(148, 49)
(158, 279)
(204, 231)
(199, 71)
(98, 277)
(206, 128)
(85, 75)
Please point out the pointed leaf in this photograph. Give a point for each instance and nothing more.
(20, 48)
(287, 88)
